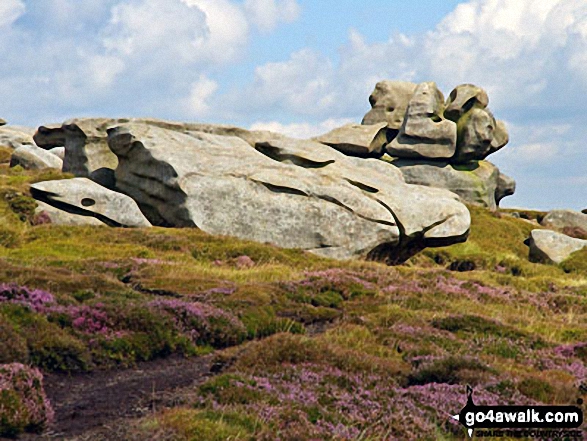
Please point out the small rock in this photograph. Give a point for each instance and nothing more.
(31, 157)
(3, 122)
(85, 197)
(244, 262)
(462, 99)
(15, 136)
(551, 247)
(561, 219)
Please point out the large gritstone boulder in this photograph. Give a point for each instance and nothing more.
(292, 193)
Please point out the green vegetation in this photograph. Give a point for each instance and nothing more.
(309, 348)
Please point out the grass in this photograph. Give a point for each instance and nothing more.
(311, 348)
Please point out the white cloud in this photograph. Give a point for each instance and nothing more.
(301, 130)
(228, 29)
(267, 14)
(201, 91)
(10, 11)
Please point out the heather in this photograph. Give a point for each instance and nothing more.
(303, 347)
(23, 403)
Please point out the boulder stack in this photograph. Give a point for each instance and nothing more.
(436, 142)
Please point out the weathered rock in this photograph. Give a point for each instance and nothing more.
(476, 182)
(389, 102)
(3, 122)
(58, 151)
(84, 197)
(506, 186)
(501, 138)
(551, 247)
(86, 142)
(462, 99)
(60, 217)
(292, 193)
(357, 140)
(31, 157)
(424, 133)
(16, 136)
(561, 219)
(475, 134)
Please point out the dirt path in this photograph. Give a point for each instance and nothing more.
(86, 402)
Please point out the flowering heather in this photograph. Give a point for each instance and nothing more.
(315, 401)
(202, 323)
(23, 403)
(22, 295)
(347, 283)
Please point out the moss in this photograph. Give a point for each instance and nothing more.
(194, 425)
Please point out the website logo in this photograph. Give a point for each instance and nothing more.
(519, 417)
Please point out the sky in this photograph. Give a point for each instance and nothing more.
(303, 67)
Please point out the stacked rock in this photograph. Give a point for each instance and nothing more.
(435, 142)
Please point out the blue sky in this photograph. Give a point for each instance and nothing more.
(304, 67)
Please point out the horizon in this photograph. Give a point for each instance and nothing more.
(303, 68)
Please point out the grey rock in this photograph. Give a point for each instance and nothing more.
(15, 136)
(475, 134)
(86, 141)
(501, 138)
(58, 151)
(561, 219)
(389, 102)
(462, 99)
(85, 197)
(506, 186)
(365, 141)
(424, 133)
(551, 247)
(31, 157)
(476, 182)
(292, 193)
(61, 217)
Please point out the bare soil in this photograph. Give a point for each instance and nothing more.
(88, 403)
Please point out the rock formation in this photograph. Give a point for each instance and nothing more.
(424, 133)
(551, 247)
(438, 143)
(293, 193)
(81, 196)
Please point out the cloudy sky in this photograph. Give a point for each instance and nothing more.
(305, 66)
